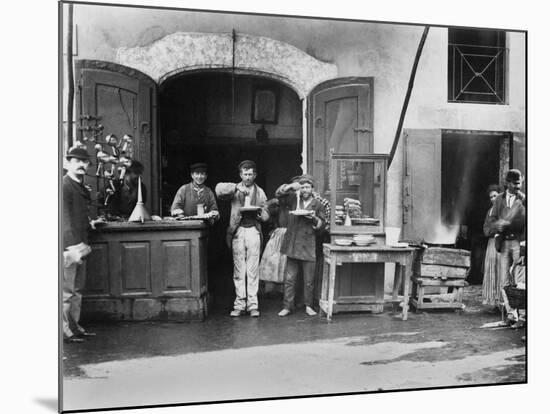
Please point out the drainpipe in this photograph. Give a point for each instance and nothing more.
(408, 94)
(233, 38)
(304, 137)
(70, 97)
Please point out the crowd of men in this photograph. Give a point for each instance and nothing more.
(306, 214)
(249, 209)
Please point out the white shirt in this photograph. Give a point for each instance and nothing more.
(306, 203)
(510, 198)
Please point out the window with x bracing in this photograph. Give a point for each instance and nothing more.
(477, 66)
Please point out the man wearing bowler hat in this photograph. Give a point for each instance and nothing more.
(507, 220)
(76, 199)
(195, 198)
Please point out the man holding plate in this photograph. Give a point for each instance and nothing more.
(248, 210)
(307, 216)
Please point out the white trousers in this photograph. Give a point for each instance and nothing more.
(246, 262)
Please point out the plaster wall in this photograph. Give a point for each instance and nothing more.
(384, 51)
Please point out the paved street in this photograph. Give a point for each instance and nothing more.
(228, 359)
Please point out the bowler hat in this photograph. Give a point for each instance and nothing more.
(247, 164)
(199, 167)
(79, 153)
(513, 175)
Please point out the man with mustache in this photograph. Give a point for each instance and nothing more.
(507, 220)
(76, 199)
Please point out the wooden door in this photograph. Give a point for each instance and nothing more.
(421, 183)
(340, 117)
(123, 101)
(519, 157)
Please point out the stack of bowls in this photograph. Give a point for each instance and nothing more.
(339, 214)
(363, 239)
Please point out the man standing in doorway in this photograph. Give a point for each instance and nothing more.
(76, 199)
(507, 218)
(195, 198)
(248, 210)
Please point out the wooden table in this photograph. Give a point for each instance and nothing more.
(335, 256)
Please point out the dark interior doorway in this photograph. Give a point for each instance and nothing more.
(470, 163)
(210, 117)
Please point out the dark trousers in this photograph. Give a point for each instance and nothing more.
(292, 268)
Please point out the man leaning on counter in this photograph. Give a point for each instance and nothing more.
(195, 198)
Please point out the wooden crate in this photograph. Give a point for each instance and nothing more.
(438, 270)
(446, 256)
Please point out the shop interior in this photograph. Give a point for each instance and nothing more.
(222, 118)
(471, 162)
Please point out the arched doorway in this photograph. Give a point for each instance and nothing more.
(223, 118)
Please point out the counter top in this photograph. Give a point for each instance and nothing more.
(371, 248)
(150, 225)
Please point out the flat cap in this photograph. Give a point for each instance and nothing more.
(307, 178)
(247, 164)
(199, 167)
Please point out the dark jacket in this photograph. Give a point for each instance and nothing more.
(76, 199)
(299, 239)
(515, 215)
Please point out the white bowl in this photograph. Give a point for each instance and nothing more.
(343, 242)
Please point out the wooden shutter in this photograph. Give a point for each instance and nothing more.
(340, 117)
(421, 182)
(519, 157)
(123, 100)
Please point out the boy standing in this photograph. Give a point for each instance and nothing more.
(299, 243)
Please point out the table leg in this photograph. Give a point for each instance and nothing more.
(397, 278)
(324, 281)
(406, 272)
(331, 280)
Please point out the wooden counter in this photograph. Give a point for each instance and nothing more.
(149, 271)
(336, 256)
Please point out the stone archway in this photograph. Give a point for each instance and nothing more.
(187, 52)
(181, 52)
